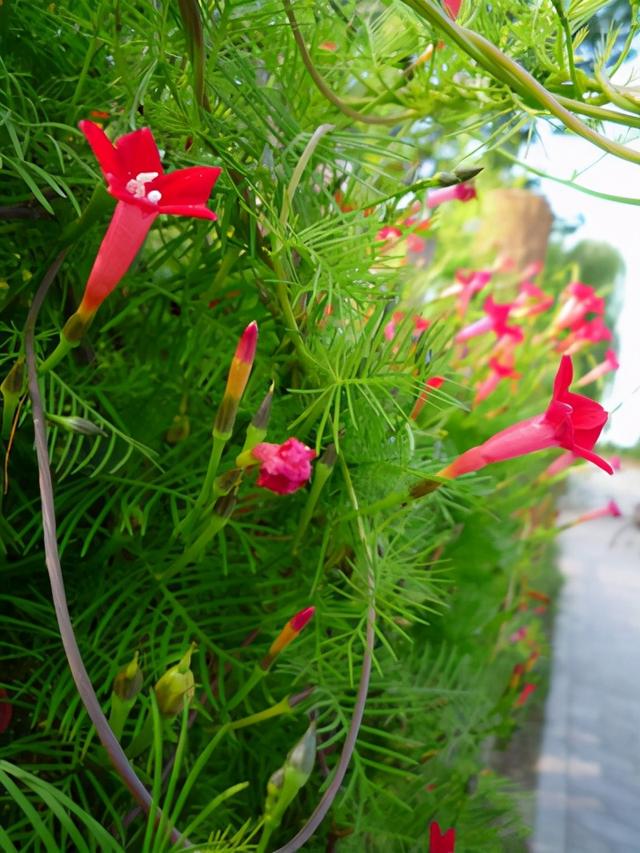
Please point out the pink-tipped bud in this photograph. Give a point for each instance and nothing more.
(290, 631)
(300, 619)
(237, 381)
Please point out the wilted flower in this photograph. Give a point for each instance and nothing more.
(284, 468)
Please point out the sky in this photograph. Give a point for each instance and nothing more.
(568, 156)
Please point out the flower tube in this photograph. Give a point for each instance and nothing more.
(135, 177)
(495, 320)
(458, 192)
(571, 421)
(610, 363)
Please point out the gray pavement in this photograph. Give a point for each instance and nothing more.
(588, 792)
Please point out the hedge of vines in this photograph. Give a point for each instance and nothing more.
(281, 426)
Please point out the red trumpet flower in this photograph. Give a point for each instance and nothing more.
(494, 321)
(610, 363)
(499, 371)
(458, 192)
(571, 421)
(440, 842)
(134, 176)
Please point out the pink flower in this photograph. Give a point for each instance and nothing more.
(432, 382)
(610, 363)
(590, 332)
(284, 468)
(499, 371)
(527, 690)
(420, 325)
(388, 233)
(495, 321)
(519, 635)
(440, 842)
(453, 7)
(466, 286)
(135, 177)
(579, 300)
(611, 509)
(571, 421)
(559, 465)
(616, 463)
(531, 300)
(458, 192)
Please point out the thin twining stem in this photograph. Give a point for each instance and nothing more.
(329, 795)
(52, 557)
(326, 90)
(509, 72)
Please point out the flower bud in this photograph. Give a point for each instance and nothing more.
(13, 382)
(466, 173)
(73, 423)
(257, 429)
(447, 179)
(128, 682)
(285, 783)
(177, 686)
(290, 631)
(236, 382)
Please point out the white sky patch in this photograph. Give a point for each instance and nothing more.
(568, 157)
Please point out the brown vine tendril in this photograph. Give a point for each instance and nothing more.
(326, 801)
(326, 90)
(76, 664)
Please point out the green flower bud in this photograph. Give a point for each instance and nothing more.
(128, 682)
(13, 383)
(177, 686)
(76, 424)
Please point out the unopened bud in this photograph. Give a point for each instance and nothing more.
(257, 429)
(285, 783)
(236, 382)
(466, 173)
(177, 686)
(447, 179)
(179, 429)
(13, 382)
(290, 631)
(128, 682)
(73, 423)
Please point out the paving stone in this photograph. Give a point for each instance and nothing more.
(588, 798)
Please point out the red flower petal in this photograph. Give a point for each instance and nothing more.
(101, 145)
(137, 152)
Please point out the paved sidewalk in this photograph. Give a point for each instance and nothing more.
(588, 795)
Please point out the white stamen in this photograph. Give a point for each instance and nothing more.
(154, 196)
(136, 186)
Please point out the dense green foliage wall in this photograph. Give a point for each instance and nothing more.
(327, 238)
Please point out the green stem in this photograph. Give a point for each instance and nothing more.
(564, 23)
(63, 348)
(194, 551)
(254, 679)
(325, 89)
(207, 494)
(282, 707)
(513, 75)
